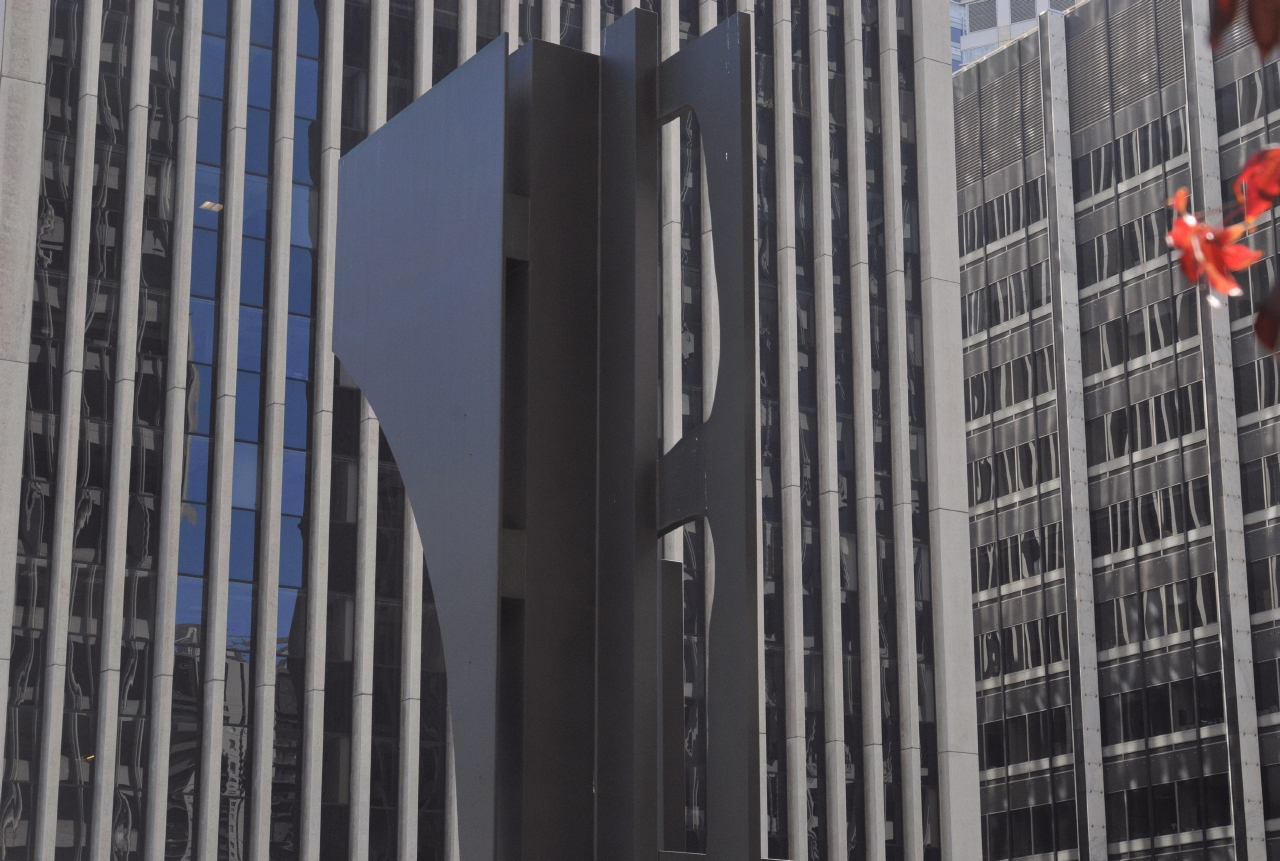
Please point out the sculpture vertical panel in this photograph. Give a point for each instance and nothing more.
(627, 723)
(711, 471)
(418, 324)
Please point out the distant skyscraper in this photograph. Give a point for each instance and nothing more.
(1123, 443)
(988, 24)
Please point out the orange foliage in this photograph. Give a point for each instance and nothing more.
(1209, 252)
(1258, 184)
(1264, 21)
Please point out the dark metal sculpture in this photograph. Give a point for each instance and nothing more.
(498, 302)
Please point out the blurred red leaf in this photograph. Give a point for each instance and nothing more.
(1264, 19)
(1258, 184)
(1266, 325)
(1221, 14)
(1208, 252)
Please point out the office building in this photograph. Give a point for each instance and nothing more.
(985, 25)
(224, 643)
(1122, 440)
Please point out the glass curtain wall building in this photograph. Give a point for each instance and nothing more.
(1122, 443)
(223, 633)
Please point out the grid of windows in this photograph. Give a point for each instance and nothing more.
(1010, 384)
(1145, 330)
(1129, 155)
(1150, 517)
(1004, 300)
(1021, 647)
(1157, 612)
(1006, 214)
(1019, 467)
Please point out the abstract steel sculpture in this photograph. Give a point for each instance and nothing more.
(498, 302)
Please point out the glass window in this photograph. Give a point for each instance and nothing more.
(1217, 800)
(196, 488)
(244, 483)
(208, 197)
(1164, 809)
(262, 22)
(293, 492)
(199, 397)
(292, 551)
(239, 616)
(307, 93)
(257, 144)
(298, 360)
(250, 355)
(302, 152)
(244, 538)
(191, 530)
(297, 412)
(309, 27)
(248, 396)
(204, 263)
(255, 206)
(203, 314)
(260, 77)
(253, 271)
(209, 132)
(213, 59)
(1182, 704)
(1271, 791)
(190, 604)
(302, 217)
(299, 281)
(286, 616)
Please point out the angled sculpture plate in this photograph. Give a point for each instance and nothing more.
(418, 324)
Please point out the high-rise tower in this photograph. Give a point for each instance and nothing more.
(1121, 442)
(223, 641)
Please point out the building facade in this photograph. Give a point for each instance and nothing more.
(1121, 442)
(223, 637)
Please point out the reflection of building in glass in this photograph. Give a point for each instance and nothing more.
(223, 639)
(1121, 443)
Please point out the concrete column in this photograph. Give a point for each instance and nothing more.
(900, 444)
(551, 21)
(362, 669)
(710, 341)
(1087, 733)
(42, 841)
(789, 420)
(379, 24)
(161, 706)
(267, 597)
(108, 717)
(24, 47)
(833, 744)
(466, 30)
(222, 454)
(872, 754)
(451, 850)
(321, 441)
(509, 21)
(410, 688)
(424, 38)
(590, 26)
(959, 809)
(1224, 469)
(672, 300)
